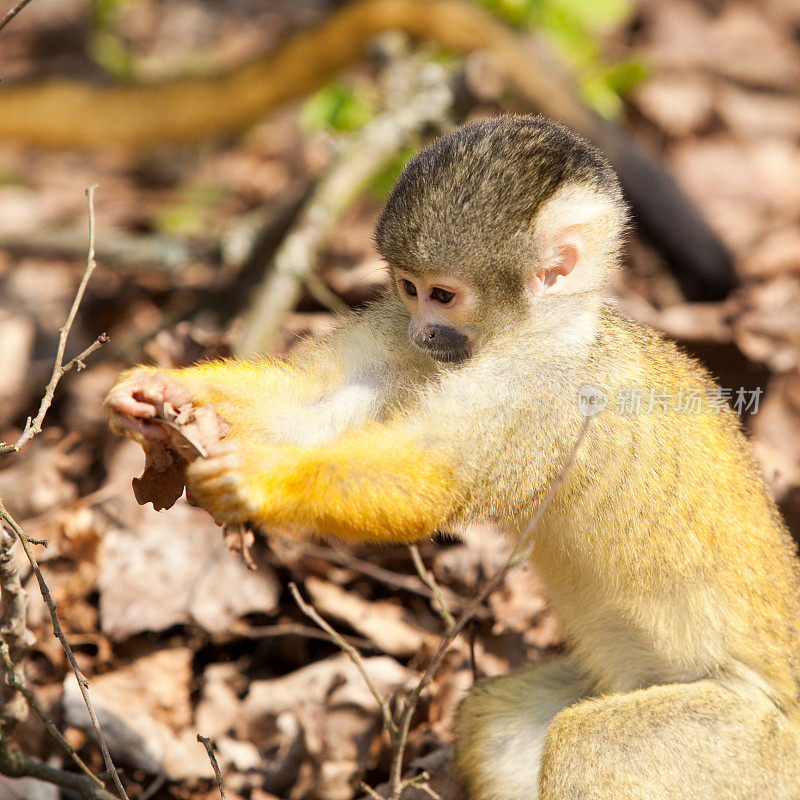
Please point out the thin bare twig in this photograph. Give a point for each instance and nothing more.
(370, 791)
(83, 683)
(209, 746)
(427, 578)
(354, 655)
(34, 426)
(17, 685)
(13, 13)
(424, 786)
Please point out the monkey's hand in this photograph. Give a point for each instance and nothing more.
(232, 482)
(139, 399)
(159, 412)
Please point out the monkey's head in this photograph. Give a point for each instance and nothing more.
(511, 222)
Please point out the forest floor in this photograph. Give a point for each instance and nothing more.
(174, 632)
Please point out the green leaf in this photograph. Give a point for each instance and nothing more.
(337, 107)
(575, 27)
(188, 215)
(112, 54)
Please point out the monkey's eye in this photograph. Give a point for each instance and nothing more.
(442, 295)
(409, 288)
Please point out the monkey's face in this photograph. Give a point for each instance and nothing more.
(441, 308)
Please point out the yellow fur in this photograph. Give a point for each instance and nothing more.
(371, 485)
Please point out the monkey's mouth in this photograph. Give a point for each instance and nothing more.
(449, 355)
(441, 342)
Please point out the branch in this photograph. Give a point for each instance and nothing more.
(13, 629)
(13, 13)
(209, 746)
(424, 100)
(15, 764)
(34, 426)
(83, 683)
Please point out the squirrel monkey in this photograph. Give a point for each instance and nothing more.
(457, 397)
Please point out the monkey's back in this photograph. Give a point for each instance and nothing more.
(674, 521)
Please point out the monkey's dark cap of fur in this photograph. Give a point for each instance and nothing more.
(460, 205)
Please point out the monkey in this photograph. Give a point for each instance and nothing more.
(458, 397)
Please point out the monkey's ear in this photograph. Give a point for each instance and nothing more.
(558, 258)
(576, 239)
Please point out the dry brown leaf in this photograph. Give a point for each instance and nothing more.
(218, 710)
(35, 480)
(144, 709)
(17, 334)
(190, 431)
(164, 570)
(163, 478)
(776, 434)
(769, 330)
(678, 103)
(382, 621)
(778, 253)
(335, 681)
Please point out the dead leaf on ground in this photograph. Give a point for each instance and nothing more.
(383, 622)
(769, 329)
(776, 434)
(335, 681)
(167, 569)
(145, 713)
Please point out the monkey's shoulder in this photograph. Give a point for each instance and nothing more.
(637, 351)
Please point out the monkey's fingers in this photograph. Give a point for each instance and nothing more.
(215, 484)
(129, 404)
(223, 457)
(136, 428)
(144, 392)
(224, 506)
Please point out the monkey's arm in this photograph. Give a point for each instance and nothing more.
(398, 480)
(377, 483)
(244, 393)
(337, 382)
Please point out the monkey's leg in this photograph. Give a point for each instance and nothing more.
(697, 741)
(501, 725)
